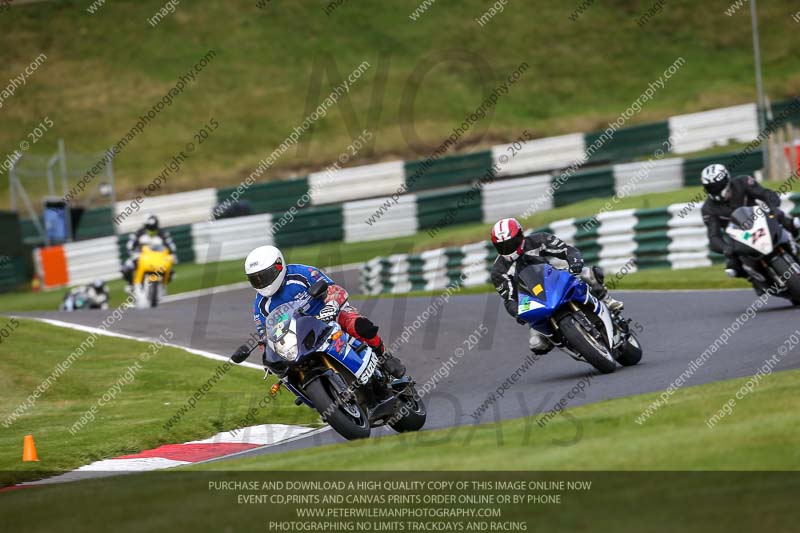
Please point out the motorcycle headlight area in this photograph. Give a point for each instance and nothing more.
(286, 347)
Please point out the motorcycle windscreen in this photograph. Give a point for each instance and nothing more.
(751, 226)
(542, 289)
(743, 217)
(280, 333)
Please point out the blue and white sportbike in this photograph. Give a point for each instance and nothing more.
(334, 373)
(560, 305)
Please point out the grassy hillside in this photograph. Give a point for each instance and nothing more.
(104, 70)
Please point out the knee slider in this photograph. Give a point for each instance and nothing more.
(365, 328)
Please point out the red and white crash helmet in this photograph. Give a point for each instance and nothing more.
(507, 237)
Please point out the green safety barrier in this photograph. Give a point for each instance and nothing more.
(447, 171)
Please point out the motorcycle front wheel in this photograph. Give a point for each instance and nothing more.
(583, 342)
(152, 294)
(349, 420)
(788, 271)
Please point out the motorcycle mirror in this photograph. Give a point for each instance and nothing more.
(242, 353)
(319, 288)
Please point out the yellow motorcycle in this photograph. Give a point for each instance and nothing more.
(153, 274)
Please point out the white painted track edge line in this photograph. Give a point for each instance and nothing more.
(101, 332)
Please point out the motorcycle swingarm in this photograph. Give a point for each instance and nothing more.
(384, 409)
(388, 406)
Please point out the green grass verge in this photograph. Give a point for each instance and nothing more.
(95, 94)
(133, 420)
(599, 436)
(712, 277)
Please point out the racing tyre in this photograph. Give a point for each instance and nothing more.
(788, 271)
(349, 421)
(152, 294)
(414, 414)
(585, 344)
(631, 352)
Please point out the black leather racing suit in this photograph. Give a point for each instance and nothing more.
(744, 191)
(538, 245)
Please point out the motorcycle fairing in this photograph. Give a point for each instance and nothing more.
(343, 348)
(751, 229)
(315, 336)
(544, 289)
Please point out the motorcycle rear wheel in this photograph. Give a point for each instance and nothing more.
(582, 341)
(344, 423)
(415, 418)
(631, 352)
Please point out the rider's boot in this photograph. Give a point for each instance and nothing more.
(392, 364)
(539, 344)
(595, 277)
(613, 304)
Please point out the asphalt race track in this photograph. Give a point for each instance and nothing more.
(676, 327)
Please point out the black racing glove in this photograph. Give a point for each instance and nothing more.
(330, 312)
(576, 266)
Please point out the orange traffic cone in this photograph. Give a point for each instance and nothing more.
(29, 450)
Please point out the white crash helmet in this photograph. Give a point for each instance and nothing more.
(716, 179)
(265, 269)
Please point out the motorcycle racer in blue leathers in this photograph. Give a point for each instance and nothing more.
(278, 283)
